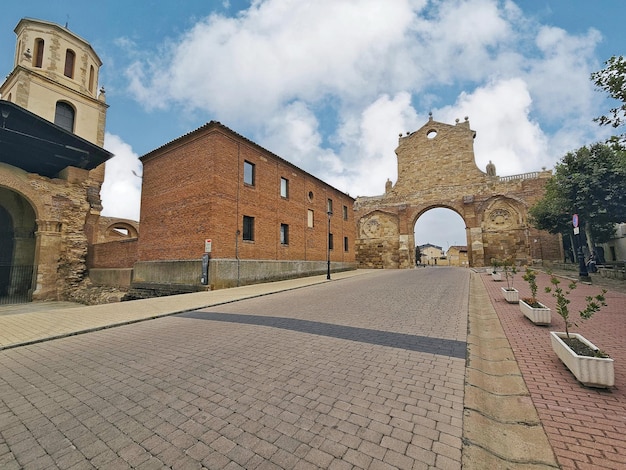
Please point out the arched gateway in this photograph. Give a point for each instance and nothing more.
(436, 168)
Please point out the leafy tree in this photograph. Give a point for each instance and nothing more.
(590, 182)
(612, 79)
(552, 212)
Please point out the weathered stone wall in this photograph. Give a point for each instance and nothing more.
(60, 208)
(436, 168)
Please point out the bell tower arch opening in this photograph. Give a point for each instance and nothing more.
(441, 238)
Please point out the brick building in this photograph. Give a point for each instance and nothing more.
(266, 218)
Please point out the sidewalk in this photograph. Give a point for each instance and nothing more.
(41, 321)
(585, 426)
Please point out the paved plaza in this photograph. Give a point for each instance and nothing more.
(343, 374)
(404, 369)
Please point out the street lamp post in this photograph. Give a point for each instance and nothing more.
(328, 247)
(583, 274)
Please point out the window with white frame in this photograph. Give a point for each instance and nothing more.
(284, 187)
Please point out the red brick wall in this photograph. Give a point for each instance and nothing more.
(193, 189)
(117, 254)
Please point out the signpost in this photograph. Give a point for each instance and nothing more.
(208, 245)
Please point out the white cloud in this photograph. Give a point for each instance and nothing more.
(121, 190)
(506, 134)
(370, 139)
(329, 85)
(276, 51)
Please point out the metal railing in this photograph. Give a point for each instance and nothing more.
(15, 284)
(523, 176)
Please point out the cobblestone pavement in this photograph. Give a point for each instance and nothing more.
(585, 426)
(363, 373)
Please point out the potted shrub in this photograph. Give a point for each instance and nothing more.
(532, 309)
(495, 274)
(591, 366)
(511, 295)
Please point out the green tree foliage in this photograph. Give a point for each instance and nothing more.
(553, 212)
(590, 182)
(612, 80)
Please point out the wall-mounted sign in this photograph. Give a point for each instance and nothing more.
(208, 245)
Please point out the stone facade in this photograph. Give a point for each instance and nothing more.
(48, 226)
(436, 168)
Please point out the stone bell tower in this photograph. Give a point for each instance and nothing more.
(55, 76)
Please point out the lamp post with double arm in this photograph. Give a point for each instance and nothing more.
(329, 213)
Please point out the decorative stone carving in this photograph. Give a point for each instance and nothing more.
(500, 218)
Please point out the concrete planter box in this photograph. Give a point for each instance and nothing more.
(496, 276)
(539, 316)
(590, 371)
(511, 296)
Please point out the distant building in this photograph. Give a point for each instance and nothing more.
(432, 254)
(615, 249)
(457, 256)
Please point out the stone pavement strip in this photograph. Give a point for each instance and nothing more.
(501, 427)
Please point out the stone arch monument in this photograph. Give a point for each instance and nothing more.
(436, 168)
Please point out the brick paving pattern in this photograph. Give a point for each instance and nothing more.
(585, 426)
(365, 373)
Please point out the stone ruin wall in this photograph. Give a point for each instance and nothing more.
(436, 168)
(64, 208)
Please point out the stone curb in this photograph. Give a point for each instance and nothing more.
(501, 427)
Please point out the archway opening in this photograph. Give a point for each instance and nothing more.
(17, 247)
(440, 238)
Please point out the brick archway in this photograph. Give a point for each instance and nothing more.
(436, 168)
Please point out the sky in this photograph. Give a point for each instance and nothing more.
(328, 85)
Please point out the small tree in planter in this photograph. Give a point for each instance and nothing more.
(593, 305)
(535, 311)
(495, 275)
(511, 295)
(530, 276)
(590, 365)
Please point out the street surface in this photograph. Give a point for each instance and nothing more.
(365, 372)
